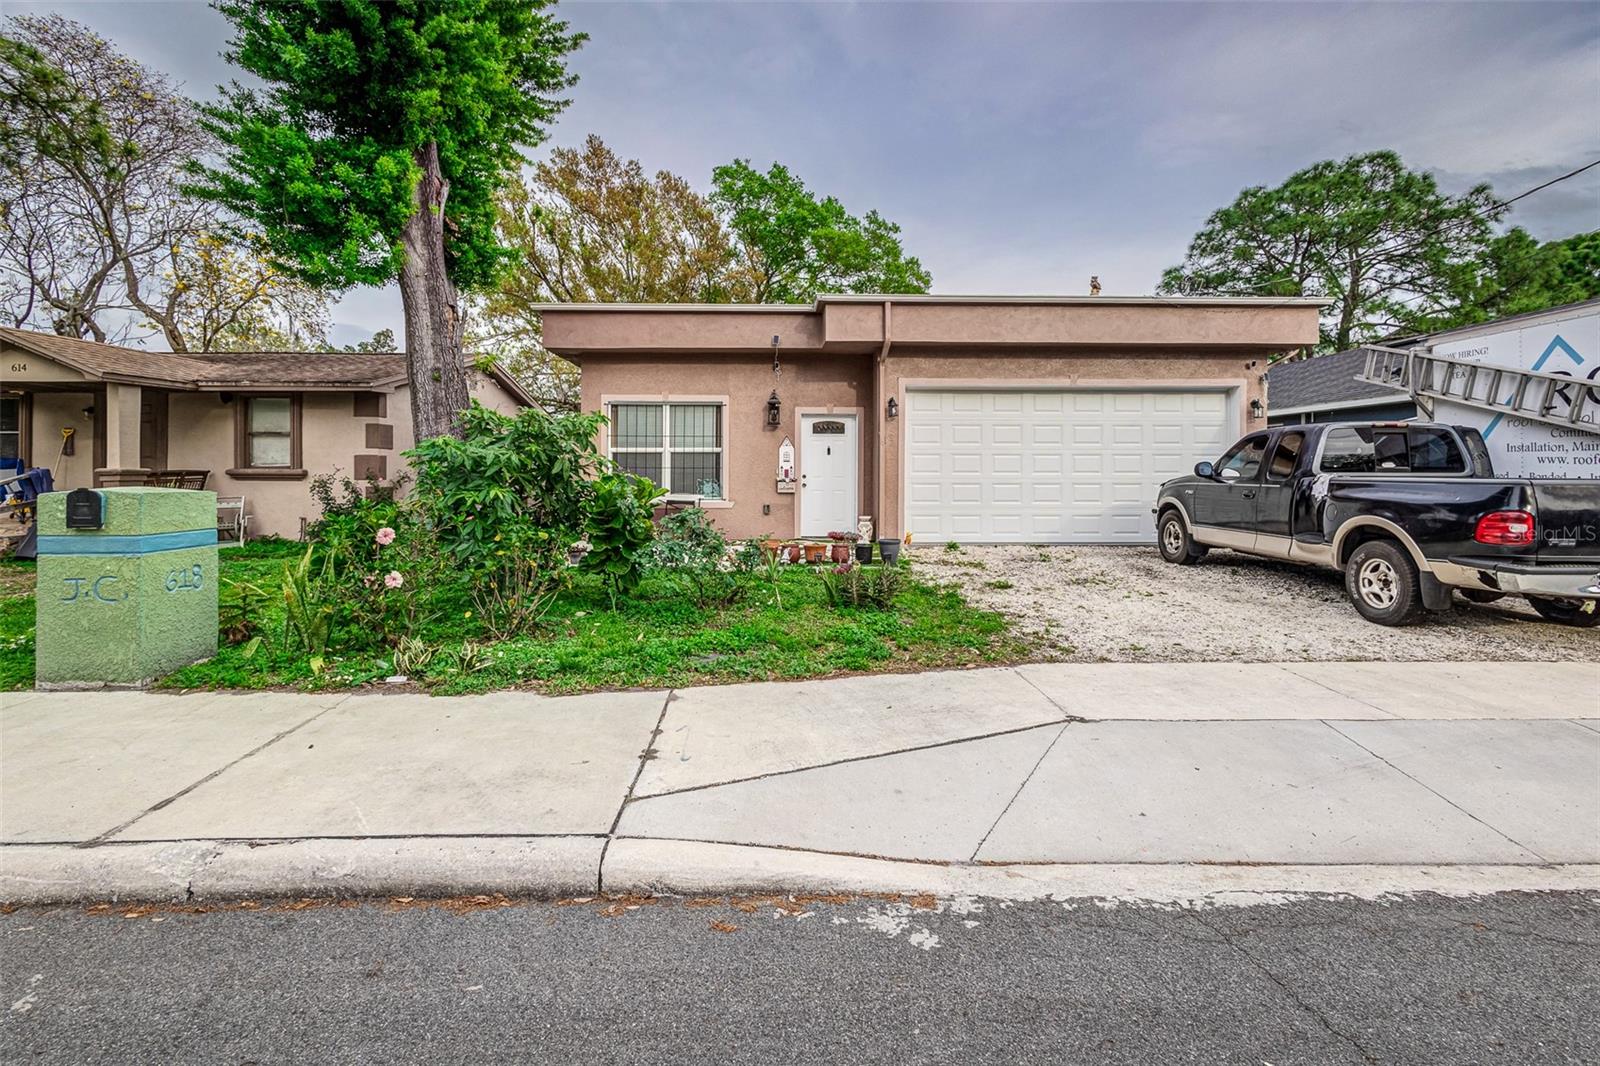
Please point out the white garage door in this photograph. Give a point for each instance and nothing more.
(1037, 466)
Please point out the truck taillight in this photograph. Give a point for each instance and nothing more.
(1505, 527)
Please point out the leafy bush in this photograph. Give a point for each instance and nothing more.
(853, 585)
(620, 529)
(379, 555)
(506, 502)
(695, 554)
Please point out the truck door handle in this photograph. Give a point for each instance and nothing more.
(1248, 495)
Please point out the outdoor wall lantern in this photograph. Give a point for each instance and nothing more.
(774, 409)
(894, 407)
(1257, 409)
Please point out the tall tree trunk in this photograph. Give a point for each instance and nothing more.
(432, 312)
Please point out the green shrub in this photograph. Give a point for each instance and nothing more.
(506, 502)
(381, 557)
(694, 554)
(620, 530)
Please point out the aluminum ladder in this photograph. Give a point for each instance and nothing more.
(1554, 399)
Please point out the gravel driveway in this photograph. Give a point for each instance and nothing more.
(1114, 604)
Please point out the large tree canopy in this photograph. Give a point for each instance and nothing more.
(1381, 240)
(377, 147)
(590, 226)
(96, 236)
(1516, 275)
(796, 245)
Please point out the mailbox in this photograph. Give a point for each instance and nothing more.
(86, 509)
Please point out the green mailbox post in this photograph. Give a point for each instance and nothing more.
(127, 585)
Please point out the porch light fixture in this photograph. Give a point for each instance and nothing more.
(774, 409)
(894, 407)
(1257, 409)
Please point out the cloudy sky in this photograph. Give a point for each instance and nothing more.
(1023, 147)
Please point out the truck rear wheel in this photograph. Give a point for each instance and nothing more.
(1381, 581)
(1177, 546)
(1567, 612)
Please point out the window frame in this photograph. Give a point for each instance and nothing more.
(242, 467)
(1265, 437)
(1272, 454)
(24, 429)
(1463, 450)
(665, 449)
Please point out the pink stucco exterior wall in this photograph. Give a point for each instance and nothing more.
(834, 357)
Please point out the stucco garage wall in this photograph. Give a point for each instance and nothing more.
(813, 383)
(910, 366)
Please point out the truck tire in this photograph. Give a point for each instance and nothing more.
(1177, 546)
(1381, 581)
(1566, 612)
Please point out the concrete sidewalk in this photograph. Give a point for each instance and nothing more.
(1168, 781)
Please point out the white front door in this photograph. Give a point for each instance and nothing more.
(828, 470)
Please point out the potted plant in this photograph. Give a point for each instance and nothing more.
(863, 550)
(790, 553)
(889, 550)
(842, 540)
(816, 553)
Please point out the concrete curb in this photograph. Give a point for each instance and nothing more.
(556, 867)
(694, 868)
(191, 870)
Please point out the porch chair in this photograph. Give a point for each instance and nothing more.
(233, 521)
(177, 479)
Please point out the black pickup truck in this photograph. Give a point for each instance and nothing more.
(1408, 510)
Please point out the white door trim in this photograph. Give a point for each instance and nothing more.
(803, 417)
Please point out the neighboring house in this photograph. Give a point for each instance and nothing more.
(977, 419)
(1325, 388)
(262, 424)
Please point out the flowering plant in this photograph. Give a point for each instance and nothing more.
(847, 536)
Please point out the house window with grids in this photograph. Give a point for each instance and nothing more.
(677, 445)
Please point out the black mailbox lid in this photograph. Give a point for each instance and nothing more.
(86, 509)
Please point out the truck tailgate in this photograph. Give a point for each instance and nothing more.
(1569, 521)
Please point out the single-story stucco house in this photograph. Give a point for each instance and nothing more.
(974, 419)
(1327, 388)
(260, 424)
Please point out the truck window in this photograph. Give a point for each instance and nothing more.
(1433, 451)
(1347, 451)
(1389, 450)
(1245, 458)
(1285, 455)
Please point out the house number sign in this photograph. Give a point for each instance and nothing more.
(186, 579)
(96, 590)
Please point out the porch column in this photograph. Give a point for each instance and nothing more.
(122, 437)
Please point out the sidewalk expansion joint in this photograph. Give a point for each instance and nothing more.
(213, 775)
(1285, 667)
(650, 752)
(1066, 715)
(1051, 724)
(1048, 748)
(1410, 777)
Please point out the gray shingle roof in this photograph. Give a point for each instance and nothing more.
(1323, 380)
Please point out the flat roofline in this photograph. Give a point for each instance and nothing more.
(869, 298)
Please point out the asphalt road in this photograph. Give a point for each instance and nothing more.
(1506, 979)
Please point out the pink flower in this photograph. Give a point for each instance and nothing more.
(385, 536)
(393, 580)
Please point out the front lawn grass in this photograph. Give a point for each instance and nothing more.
(657, 638)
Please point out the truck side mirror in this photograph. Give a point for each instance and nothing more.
(1204, 469)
